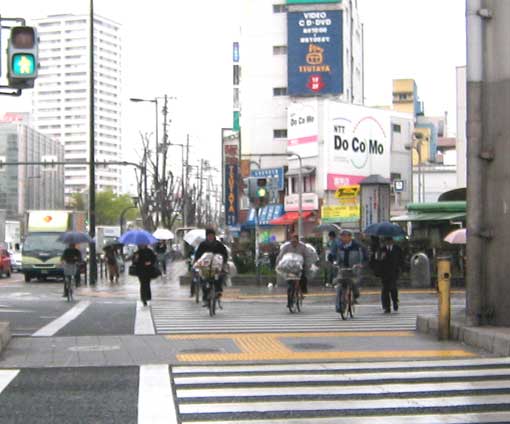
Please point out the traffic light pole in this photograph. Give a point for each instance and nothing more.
(257, 246)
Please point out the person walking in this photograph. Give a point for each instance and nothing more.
(160, 250)
(391, 261)
(332, 247)
(112, 261)
(145, 261)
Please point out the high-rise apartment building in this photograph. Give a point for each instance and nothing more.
(61, 94)
(265, 54)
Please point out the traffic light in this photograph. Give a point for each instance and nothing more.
(22, 57)
(258, 192)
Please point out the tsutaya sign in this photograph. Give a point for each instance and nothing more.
(357, 144)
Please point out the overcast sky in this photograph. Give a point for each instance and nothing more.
(184, 49)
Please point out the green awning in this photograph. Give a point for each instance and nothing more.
(453, 206)
(430, 216)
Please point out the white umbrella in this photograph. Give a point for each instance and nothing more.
(163, 234)
(195, 237)
(456, 237)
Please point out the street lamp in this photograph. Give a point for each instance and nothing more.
(121, 219)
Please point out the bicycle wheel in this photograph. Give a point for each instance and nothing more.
(298, 299)
(351, 303)
(291, 299)
(212, 300)
(196, 288)
(69, 288)
(344, 303)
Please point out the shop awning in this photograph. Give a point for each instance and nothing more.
(266, 214)
(290, 218)
(430, 216)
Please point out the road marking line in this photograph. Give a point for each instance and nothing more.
(143, 320)
(295, 335)
(377, 389)
(53, 327)
(345, 404)
(268, 356)
(453, 418)
(6, 376)
(339, 366)
(156, 404)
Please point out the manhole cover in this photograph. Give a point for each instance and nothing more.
(208, 350)
(94, 348)
(312, 346)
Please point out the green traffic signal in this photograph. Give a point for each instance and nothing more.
(261, 192)
(23, 65)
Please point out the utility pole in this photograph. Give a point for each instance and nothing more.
(92, 157)
(186, 176)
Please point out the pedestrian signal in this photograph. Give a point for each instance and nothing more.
(22, 56)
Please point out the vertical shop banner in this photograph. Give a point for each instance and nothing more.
(303, 128)
(357, 144)
(315, 45)
(231, 163)
(231, 194)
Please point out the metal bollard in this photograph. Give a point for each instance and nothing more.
(443, 286)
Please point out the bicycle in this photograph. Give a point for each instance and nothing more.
(212, 297)
(295, 296)
(69, 274)
(345, 292)
(195, 285)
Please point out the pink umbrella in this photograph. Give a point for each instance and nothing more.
(456, 237)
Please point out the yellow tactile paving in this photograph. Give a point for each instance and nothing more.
(261, 344)
(272, 356)
(295, 335)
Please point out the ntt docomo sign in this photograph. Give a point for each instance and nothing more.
(358, 144)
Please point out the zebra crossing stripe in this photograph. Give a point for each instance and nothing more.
(143, 320)
(155, 396)
(453, 418)
(56, 325)
(6, 376)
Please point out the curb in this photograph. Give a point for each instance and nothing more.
(5, 335)
(495, 340)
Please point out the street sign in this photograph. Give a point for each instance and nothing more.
(276, 175)
(399, 186)
(347, 191)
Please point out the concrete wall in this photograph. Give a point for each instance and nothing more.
(461, 126)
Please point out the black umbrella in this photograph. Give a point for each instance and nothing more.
(74, 237)
(385, 229)
(323, 228)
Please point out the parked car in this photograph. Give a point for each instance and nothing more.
(16, 261)
(5, 262)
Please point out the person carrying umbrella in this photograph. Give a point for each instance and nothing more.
(145, 261)
(112, 261)
(71, 258)
(160, 249)
(391, 261)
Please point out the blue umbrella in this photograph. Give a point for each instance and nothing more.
(74, 237)
(137, 237)
(385, 229)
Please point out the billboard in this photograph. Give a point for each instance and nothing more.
(231, 150)
(303, 128)
(315, 45)
(357, 144)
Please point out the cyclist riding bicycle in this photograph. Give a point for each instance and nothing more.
(160, 250)
(212, 245)
(350, 255)
(295, 246)
(71, 258)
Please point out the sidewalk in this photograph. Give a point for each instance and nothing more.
(495, 340)
(5, 335)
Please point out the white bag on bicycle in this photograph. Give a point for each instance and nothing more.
(290, 266)
(70, 270)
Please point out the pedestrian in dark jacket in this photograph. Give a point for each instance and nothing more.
(145, 261)
(391, 261)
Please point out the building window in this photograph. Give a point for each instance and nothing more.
(396, 128)
(278, 50)
(279, 8)
(280, 133)
(280, 91)
(237, 74)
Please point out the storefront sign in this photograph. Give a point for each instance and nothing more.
(315, 65)
(303, 128)
(357, 144)
(275, 175)
(310, 202)
(231, 194)
(340, 213)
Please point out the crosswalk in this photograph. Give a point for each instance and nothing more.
(189, 318)
(443, 391)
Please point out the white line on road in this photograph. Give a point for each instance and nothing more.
(156, 403)
(53, 327)
(6, 376)
(143, 320)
